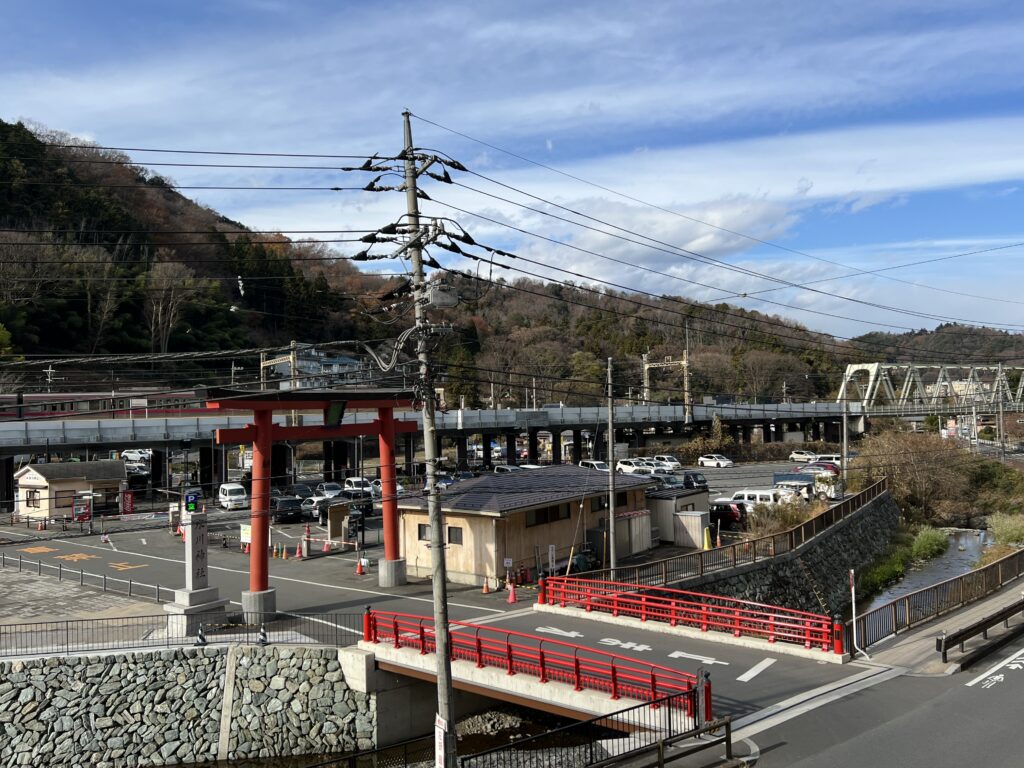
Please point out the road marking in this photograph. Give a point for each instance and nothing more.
(321, 621)
(126, 566)
(38, 550)
(625, 646)
(559, 632)
(143, 542)
(705, 659)
(279, 532)
(755, 670)
(304, 582)
(1018, 656)
(77, 556)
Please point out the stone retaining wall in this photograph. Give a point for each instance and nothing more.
(188, 705)
(823, 563)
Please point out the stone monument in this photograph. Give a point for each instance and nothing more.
(198, 603)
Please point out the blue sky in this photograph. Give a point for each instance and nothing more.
(861, 135)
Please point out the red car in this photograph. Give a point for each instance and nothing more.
(818, 467)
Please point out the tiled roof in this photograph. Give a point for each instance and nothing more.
(508, 492)
(674, 493)
(82, 470)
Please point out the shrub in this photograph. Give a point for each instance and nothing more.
(929, 543)
(1008, 529)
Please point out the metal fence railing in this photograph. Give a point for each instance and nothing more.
(104, 582)
(925, 604)
(695, 564)
(714, 613)
(412, 752)
(170, 631)
(602, 740)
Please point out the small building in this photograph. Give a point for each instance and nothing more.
(498, 523)
(47, 491)
(665, 503)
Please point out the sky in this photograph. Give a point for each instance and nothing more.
(853, 167)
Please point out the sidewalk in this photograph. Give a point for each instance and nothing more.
(915, 649)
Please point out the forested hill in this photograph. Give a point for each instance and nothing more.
(98, 255)
(948, 343)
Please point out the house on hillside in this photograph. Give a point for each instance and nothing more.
(498, 523)
(47, 491)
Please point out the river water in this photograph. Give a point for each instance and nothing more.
(965, 549)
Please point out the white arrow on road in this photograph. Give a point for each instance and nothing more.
(559, 632)
(704, 659)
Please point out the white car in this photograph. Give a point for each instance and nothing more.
(136, 455)
(500, 469)
(802, 456)
(377, 489)
(714, 460)
(600, 466)
(358, 484)
(628, 466)
(671, 462)
(331, 489)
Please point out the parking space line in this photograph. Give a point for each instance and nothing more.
(755, 670)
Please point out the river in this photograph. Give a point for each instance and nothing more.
(965, 548)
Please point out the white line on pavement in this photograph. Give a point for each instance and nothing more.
(755, 670)
(991, 670)
(322, 621)
(143, 542)
(305, 582)
(279, 532)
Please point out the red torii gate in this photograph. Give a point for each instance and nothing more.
(262, 433)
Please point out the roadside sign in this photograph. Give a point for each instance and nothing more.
(245, 533)
(440, 728)
(191, 502)
(127, 502)
(507, 562)
(551, 558)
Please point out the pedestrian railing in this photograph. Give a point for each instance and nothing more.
(101, 581)
(697, 564)
(170, 631)
(921, 606)
(677, 607)
(547, 660)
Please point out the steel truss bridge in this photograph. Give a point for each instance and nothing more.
(917, 389)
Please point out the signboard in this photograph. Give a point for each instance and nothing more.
(136, 402)
(551, 558)
(127, 502)
(191, 503)
(245, 533)
(507, 562)
(196, 543)
(440, 728)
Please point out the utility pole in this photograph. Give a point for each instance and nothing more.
(999, 395)
(439, 575)
(687, 405)
(611, 472)
(645, 389)
(846, 449)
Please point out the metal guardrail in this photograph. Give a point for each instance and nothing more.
(651, 728)
(412, 752)
(908, 611)
(980, 627)
(161, 631)
(673, 569)
(693, 609)
(129, 587)
(545, 659)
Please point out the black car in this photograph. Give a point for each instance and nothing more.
(728, 516)
(359, 506)
(300, 491)
(286, 509)
(694, 480)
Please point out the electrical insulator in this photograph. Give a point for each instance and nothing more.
(441, 296)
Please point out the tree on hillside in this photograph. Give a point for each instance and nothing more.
(168, 288)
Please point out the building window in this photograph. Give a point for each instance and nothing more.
(423, 532)
(598, 503)
(31, 498)
(546, 515)
(620, 499)
(64, 499)
(454, 535)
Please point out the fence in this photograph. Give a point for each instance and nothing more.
(412, 752)
(650, 726)
(104, 582)
(741, 553)
(140, 632)
(706, 612)
(918, 607)
(548, 660)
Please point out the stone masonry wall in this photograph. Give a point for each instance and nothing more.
(824, 563)
(167, 707)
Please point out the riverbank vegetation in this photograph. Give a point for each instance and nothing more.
(906, 548)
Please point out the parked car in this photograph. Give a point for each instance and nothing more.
(817, 467)
(628, 466)
(136, 468)
(693, 479)
(301, 491)
(506, 468)
(136, 455)
(377, 489)
(753, 497)
(232, 496)
(600, 466)
(286, 509)
(671, 461)
(315, 507)
(727, 516)
(802, 455)
(356, 505)
(714, 460)
(331, 489)
(829, 458)
(357, 484)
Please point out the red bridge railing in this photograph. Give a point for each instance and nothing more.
(547, 660)
(677, 607)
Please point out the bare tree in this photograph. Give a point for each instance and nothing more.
(168, 286)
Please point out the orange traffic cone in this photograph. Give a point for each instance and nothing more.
(359, 567)
(487, 587)
(246, 548)
(275, 551)
(298, 551)
(511, 593)
(284, 552)
(327, 545)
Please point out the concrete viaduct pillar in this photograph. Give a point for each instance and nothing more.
(531, 447)
(577, 446)
(556, 446)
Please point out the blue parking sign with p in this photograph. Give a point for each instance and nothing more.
(191, 500)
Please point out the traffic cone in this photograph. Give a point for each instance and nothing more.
(298, 551)
(275, 552)
(307, 530)
(284, 553)
(718, 541)
(359, 567)
(247, 548)
(511, 593)
(487, 587)
(327, 546)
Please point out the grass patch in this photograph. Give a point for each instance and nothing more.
(929, 543)
(1008, 529)
(993, 553)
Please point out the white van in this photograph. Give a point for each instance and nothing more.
(600, 466)
(232, 496)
